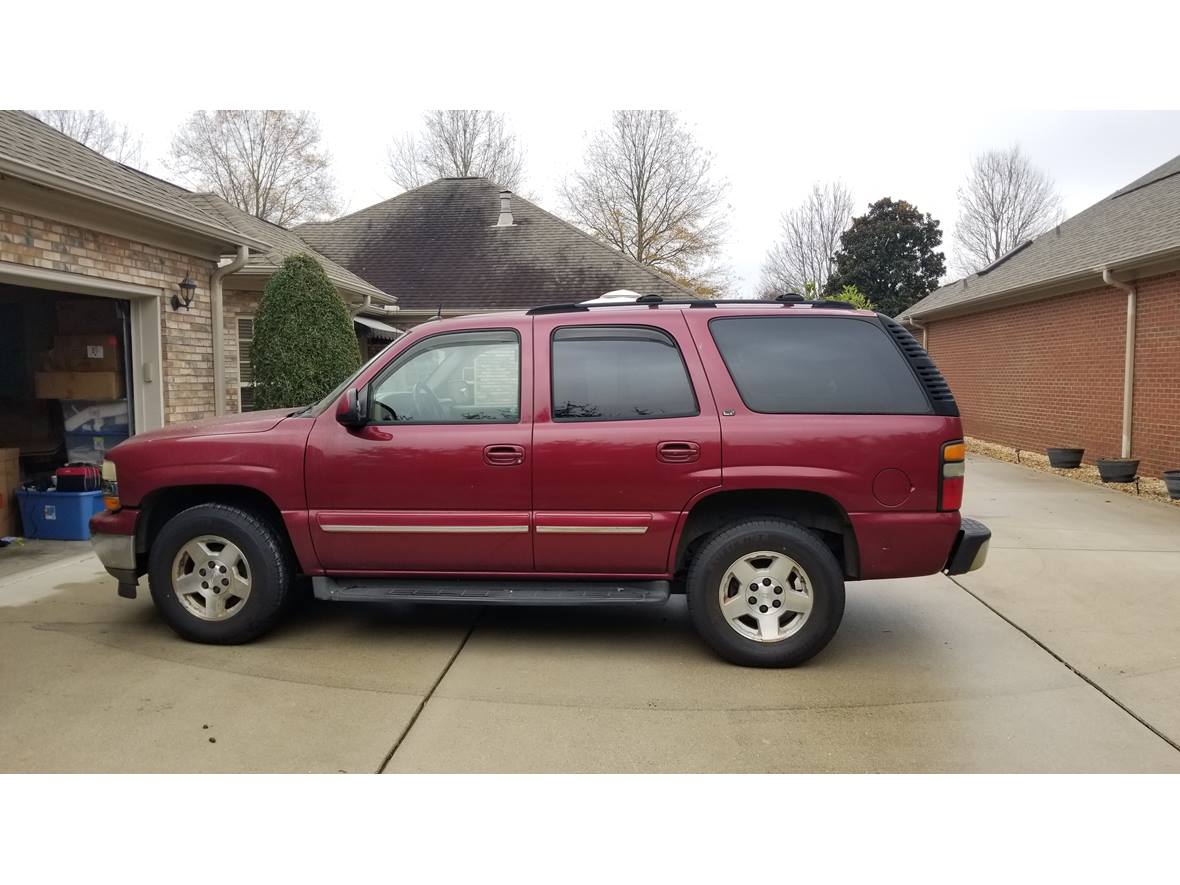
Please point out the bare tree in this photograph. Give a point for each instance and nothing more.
(98, 132)
(647, 189)
(457, 143)
(1005, 201)
(268, 163)
(810, 238)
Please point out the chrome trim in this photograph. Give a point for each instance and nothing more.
(428, 529)
(591, 529)
(114, 551)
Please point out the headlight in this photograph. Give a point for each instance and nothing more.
(110, 486)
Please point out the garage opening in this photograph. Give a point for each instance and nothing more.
(65, 391)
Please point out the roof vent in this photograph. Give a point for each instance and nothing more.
(505, 210)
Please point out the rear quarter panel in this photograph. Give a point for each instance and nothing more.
(855, 459)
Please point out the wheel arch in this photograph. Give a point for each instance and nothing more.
(814, 510)
(160, 505)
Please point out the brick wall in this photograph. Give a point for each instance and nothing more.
(1050, 373)
(187, 343)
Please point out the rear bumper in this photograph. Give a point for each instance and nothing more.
(970, 549)
(112, 535)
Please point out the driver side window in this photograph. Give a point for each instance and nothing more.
(452, 378)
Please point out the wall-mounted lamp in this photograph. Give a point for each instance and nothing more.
(185, 299)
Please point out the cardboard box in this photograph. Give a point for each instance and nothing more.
(9, 483)
(84, 353)
(78, 385)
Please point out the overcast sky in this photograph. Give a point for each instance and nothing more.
(772, 158)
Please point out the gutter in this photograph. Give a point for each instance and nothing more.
(1128, 359)
(74, 187)
(1148, 264)
(217, 321)
(918, 324)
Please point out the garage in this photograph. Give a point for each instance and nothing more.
(65, 396)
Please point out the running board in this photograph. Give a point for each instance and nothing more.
(491, 592)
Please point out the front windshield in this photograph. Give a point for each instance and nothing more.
(317, 409)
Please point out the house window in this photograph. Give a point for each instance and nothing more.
(245, 367)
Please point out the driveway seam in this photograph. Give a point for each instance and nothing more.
(429, 694)
(1110, 697)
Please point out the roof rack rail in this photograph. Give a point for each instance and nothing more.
(652, 302)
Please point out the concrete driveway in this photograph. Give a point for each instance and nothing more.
(1060, 655)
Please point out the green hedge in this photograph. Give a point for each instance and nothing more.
(304, 343)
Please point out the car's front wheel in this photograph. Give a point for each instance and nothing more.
(219, 574)
(766, 593)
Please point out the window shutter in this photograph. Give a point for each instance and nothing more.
(245, 366)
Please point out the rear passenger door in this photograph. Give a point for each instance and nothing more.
(625, 436)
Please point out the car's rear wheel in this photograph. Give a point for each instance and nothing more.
(766, 593)
(219, 574)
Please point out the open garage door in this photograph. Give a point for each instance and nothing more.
(65, 394)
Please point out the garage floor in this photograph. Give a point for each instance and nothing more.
(1059, 656)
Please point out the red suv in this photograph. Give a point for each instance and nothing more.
(754, 456)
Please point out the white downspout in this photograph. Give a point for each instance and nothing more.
(922, 326)
(365, 305)
(217, 319)
(1128, 359)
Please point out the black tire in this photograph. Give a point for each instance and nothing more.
(269, 565)
(723, 549)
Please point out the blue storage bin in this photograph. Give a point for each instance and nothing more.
(58, 516)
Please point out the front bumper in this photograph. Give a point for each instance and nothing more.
(112, 535)
(969, 551)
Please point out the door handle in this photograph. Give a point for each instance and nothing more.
(503, 456)
(678, 452)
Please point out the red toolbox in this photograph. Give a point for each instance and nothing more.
(79, 478)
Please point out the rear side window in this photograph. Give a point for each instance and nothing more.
(618, 373)
(817, 365)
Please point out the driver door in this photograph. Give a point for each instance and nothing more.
(439, 480)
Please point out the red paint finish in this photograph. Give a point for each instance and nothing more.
(120, 523)
(545, 498)
(619, 467)
(418, 475)
(892, 487)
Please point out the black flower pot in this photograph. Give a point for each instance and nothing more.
(1065, 458)
(1172, 481)
(1118, 469)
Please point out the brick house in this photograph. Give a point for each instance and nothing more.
(112, 280)
(1073, 338)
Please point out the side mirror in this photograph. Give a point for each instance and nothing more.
(353, 408)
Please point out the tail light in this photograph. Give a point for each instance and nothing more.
(952, 466)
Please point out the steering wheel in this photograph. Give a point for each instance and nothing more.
(427, 404)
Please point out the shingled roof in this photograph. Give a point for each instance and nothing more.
(439, 246)
(29, 147)
(1135, 226)
(281, 244)
(32, 149)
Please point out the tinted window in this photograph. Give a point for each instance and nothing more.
(817, 365)
(452, 378)
(618, 373)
